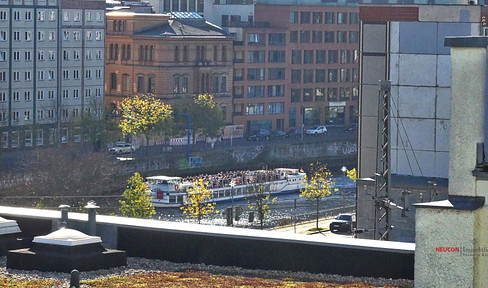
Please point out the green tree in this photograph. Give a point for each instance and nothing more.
(260, 202)
(318, 184)
(206, 116)
(137, 197)
(146, 115)
(197, 205)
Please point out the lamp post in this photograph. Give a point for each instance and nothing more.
(232, 185)
(344, 170)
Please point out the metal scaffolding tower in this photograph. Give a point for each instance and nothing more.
(382, 203)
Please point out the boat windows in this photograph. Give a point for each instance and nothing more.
(179, 199)
(172, 199)
(227, 192)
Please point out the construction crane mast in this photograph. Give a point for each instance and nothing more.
(382, 203)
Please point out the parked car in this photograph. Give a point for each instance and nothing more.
(122, 148)
(261, 134)
(278, 134)
(317, 130)
(294, 133)
(343, 222)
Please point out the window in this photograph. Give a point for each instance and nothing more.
(28, 15)
(27, 56)
(184, 86)
(76, 93)
(256, 39)
(66, 16)
(354, 76)
(16, 76)
(65, 74)
(307, 95)
(3, 35)
(296, 76)
(28, 35)
(52, 55)
(150, 84)
(40, 134)
(345, 93)
(296, 95)
(292, 117)
(3, 76)
(140, 84)
(76, 55)
(320, 94)
(27, 96)
(113, 81)
(88, 74)
(15, 134)
(185, 54)
(16, 36)
(40, 16)
(329, 17)
(345, 56)
(88, 35)
(99, 17)
(341, 18)
(293, 17)
(317, 17)
(65, 93)
(304, 36)
(40, 114)
(353, 37)
(52, 36)
(276, 56)
(332, 75)
(255, 74)
(320, 75)
(50, 94)
(176, 84)
(88, 16)
(99, 54)
(255, 91)
(76, 35)
(215, 84)
(320, 56)
(308, 57)
(16, 96)
(255, 56)
(116, 52)
(308, 76)
(341, 37)
(40, 95)
(76, 16)
(40, 75)
(3, 56)
(3, 97)
(276, 90)
(304, 17)
(353, 18)
(40, 36)
(275, 108)
(88, 93)
(293, 36)
(3, 15)
(65, 35)
(296, 57)
(277, 39)
(52, 16)
(255, 109)
(345, 75)
(333, 57)
(125, 82)
(98, 73)
(276, 73)
(51, 75)
(98, 92)
(98, 35)
(316, 36)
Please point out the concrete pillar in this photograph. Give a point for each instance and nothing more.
(450, 234)
(92, 208)
(64, 215)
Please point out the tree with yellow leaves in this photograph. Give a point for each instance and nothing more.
(137, 201)
(145, 114)
(196, 205)
(318, 184)
(260, 202)
(352, 174)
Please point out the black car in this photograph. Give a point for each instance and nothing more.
(278, 134)
(343, 222)
(261, 134)
(294, 133)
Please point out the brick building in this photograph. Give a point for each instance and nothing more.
(297, 66)
(171, 55)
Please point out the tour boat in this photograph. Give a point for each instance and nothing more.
(169, 191)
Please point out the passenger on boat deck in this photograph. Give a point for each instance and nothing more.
(223, 179)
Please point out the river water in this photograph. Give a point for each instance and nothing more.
(284, 208)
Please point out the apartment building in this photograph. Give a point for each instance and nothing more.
(297, 66)
(172, 56)
(51, 70)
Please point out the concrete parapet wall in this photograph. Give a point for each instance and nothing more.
(255, 249)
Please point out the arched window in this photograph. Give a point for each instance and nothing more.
(223, 84)
(151, 53)
(122, 55)
(176, 84)
(141, 53)
(125, 82)
(185, 53)
(146, 53)
(128, 55)
(120, 25)
(111, 52)
(116, 53)
(224, 53)
(177, 54)
(184, 86)
(113, 81)
(150, 84)
(215, 84)
(140, 83)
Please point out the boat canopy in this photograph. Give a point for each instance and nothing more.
(163, 179)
